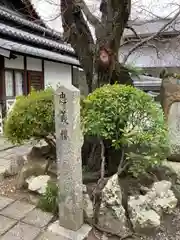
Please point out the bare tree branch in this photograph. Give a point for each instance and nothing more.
(90, 17)
(133, 30)
(129, 41)
(78, 35)
(121, 19)
(154, 46)
(140, 44)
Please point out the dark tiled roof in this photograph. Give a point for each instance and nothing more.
(28, 6)
(34, 39)
(16, 26)
(143, 81)
(39, 52)
(6, 15)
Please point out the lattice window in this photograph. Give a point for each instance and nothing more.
(35, 80)
(13, 82)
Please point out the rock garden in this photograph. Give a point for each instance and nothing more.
(130, 191)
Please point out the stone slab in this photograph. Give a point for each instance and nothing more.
(69, 141)
(38, 218)
(6, 224)
(80, 234)
(4, 153)
(17, 210)
(4, 202)
(51, 236)
(22, 150)
(21, 231)
(4, 144)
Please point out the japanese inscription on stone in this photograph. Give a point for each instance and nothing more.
(63, 116)
(68, 151)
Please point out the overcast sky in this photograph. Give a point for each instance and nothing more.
(49, 10)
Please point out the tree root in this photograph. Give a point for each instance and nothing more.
(97, 195)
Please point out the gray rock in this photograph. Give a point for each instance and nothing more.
(170, 171)
(31, 168)
(112, 214)
(174, 167)
(16, 164)
(34, 199)
(146, 210)
(141, 215)
(84, 188)
(38, 184)
(161, 198)
(87, 204)
(39, 151)
(13, 160)
(87, 207)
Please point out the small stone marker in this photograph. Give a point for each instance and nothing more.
(68, 149)
(170, 101)
(174, 129)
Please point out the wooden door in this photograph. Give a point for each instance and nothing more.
(35, 80)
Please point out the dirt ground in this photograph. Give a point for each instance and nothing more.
(170, 230)
(8, 188)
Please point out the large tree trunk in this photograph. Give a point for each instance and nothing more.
(108, 32)
(119, 75)
(98, 56)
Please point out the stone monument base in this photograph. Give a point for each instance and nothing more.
(66, 234)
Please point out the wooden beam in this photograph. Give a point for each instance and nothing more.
(43, 80)
(2, 86)
(25, 84)
(2, 82)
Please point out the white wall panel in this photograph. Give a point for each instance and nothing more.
(17, 63)
(34, 64)
(55, 73)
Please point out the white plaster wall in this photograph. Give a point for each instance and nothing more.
(34, 64)
(17, 63)
(166, 55)
(55, 73)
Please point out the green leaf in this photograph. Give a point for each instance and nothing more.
(128, 117)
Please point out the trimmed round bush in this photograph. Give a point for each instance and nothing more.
(131, 120)
(32, 117)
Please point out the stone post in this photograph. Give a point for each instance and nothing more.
(170, 100)
(69, 165)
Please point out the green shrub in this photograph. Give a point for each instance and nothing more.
(31, 118)
(131, 120)
(49, 201)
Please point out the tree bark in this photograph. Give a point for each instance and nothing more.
(99, 56)
(108, 34)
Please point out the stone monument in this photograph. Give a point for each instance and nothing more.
(174, 131)
(68, 148)
(170, 101)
